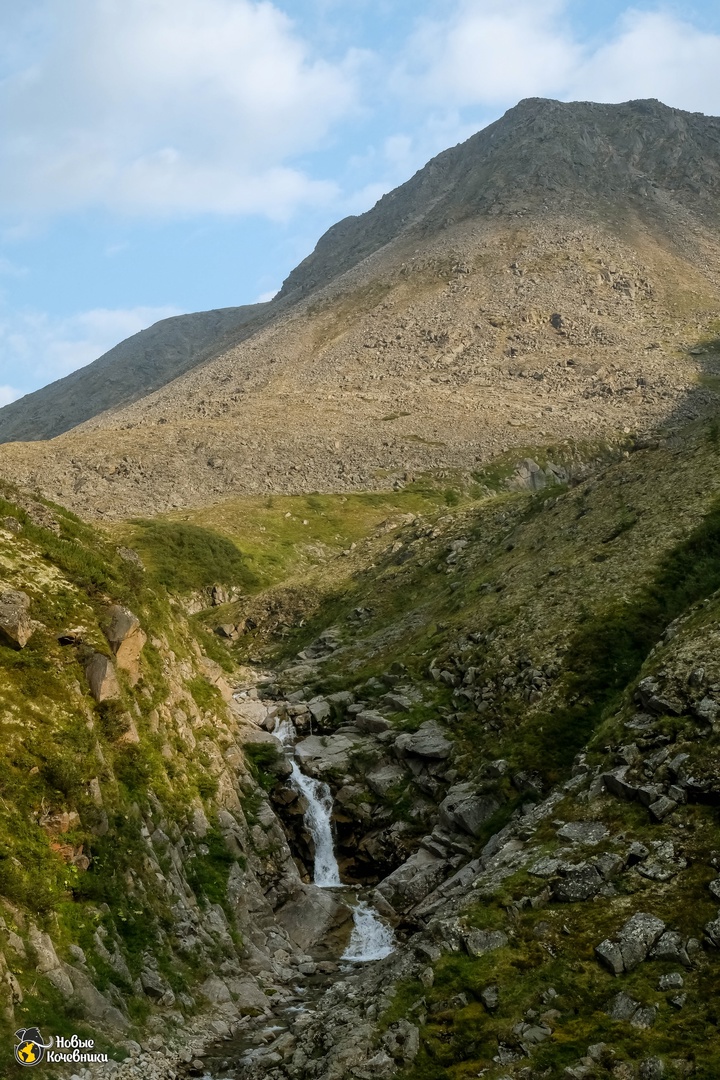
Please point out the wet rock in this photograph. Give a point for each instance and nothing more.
(465, 809)
(313, 917)
(321, 754)
(16, 627)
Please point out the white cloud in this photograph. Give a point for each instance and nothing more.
(170, 107)
(654, 54)
(493, 52)
(36, 348)
(8, 394)
(489, 53)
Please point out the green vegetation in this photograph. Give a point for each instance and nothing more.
(185, 557)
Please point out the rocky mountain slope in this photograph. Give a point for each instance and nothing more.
(136, 367)
(554, 277)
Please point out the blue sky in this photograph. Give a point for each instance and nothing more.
(162, 156)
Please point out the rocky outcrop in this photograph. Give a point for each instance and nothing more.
(16, 627)
(127, 640)
(101, 677)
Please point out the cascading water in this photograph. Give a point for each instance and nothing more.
(371, 939)
(326, 872)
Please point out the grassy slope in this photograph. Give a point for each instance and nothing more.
(56, 740)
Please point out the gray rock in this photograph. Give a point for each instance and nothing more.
(414, 880)
(402, 1041)
(580, 882)
(490, 997)
(479, 942)
(714, 888)
(383, 779)
(617, 785)
(652, 1069)
(369, 720)
(153, 984)
(662, 808)
(213, 990)
(609, 954)
(672, 981)
(644, 1017)
(319, 709)
(16, 627)
(313, 916)
(583, 832)
(249, 998)
(101, 678)
(637, 937)
(671, 946)
(429, 741)
(622, 1007)
(636, 853)
(465, 809)
(633, 943)
(319, 754)
(545, 867)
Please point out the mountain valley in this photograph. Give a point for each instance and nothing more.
(429, 560)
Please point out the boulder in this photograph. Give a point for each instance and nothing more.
(429, 741)
(249, 998)
(479, 942)
(126, 638)
(320, 754)
(214, 990)
(580, 882)
(100, 674)
(371, 721)
(583, 832)
(633, 943)
(16, 627)
(414, 880)
(465, 809)
(383, 779)
(315, 916)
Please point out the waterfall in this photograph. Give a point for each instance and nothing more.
(371, 939)
(317, 819)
